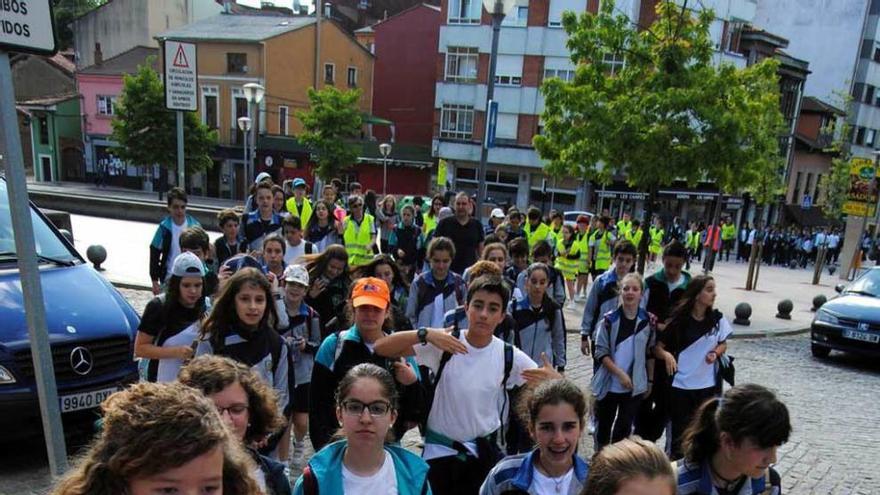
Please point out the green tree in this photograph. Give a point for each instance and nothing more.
(147, 132)
(667, 113)
(65, 12)
(331, 123)
(835, 184)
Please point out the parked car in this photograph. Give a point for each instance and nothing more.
(91, 331)
(570, 217)
(851, 321)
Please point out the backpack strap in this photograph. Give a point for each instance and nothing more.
(340, 338)
(456, 332)
(275, 349)
(309, 483)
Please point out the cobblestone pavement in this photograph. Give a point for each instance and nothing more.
(834, 449)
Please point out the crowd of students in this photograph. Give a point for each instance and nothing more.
(347, 325)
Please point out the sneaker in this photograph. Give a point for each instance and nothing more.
(299, 450)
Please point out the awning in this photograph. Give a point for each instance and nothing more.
(372, 119)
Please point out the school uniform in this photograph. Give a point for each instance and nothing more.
(270, 476)
(223, 250)
(516, 474)
(410, 240)
(324, 236)
(539, 330)
(467, 412)
(555, 286)
(629, 343)
(293, 253)
(505, 330)
(330, 303)
(601, 299)
(305, 325)
(255, 229)
(165, 246)
(171, 325)
(337, 354)
(695, 478)
(695, 380)
(429, 299)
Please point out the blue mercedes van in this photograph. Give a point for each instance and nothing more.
(91, 331)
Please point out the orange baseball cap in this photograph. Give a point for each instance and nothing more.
(370, 291)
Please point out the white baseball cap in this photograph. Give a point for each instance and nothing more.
(261, 177)
(188, 265)
(497, 213)
(296, 274)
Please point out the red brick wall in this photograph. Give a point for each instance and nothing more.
(479, 125)
(539, 11)
(483, 68)
(593, 6)
(808, 125)
(533, 70)
(647, 13)
(527, 127)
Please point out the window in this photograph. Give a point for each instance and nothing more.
(518, 16)
(44, 129)
(505, 126)
(858, 135)
(557, 7)
(283, 111)
(808, 187)
(613, 62)
(869, 94)
(457, 121)
(236, 63)
(461, 63)
(352, 77)
(329, 73)
(465, 11)
(106, 104)
(870, 135)
(876, 54)
(819, 194)
(564, 74)
(796, 197)
(210, 112)
(239, 109)
(508, 70)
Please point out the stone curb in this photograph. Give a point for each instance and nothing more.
(769, 334)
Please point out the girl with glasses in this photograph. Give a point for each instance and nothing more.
(364, 461)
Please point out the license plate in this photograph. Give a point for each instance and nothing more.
(861, 336)
(85, 400)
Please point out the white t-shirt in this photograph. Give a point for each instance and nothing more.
(693, 371)
(176, 230)
(291, 253)
(169, 367)
(382, 482)
(545, 485)
(468, 400)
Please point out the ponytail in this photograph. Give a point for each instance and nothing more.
(701, 438)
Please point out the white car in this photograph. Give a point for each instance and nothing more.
(570, 217)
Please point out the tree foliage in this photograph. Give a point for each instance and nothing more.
(147, 132)
(65, 12)
(668, 113)
(836, 183)
(332, 121)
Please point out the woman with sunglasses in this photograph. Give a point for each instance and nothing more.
(364, 460)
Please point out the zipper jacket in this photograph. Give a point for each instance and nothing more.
(540, 330)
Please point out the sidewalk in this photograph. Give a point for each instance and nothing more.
(774, 285)
(122, 194)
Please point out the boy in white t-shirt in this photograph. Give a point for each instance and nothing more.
(469, 401)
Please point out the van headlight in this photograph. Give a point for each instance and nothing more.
(5, 376)
(826, 317)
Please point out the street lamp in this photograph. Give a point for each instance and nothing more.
(385, 149)
(244, 123)
(253, 93)
(497, 9)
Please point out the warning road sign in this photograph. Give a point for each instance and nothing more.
(181, 76)
(26, 26)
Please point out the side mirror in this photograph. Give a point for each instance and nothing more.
(839, 288)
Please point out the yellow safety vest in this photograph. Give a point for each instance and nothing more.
(568, 267)
(542, 231)
(357, 240)
(603, 250)
(556, 235)
(728, 232)
(429, 224)
(625, 228)
(656, 240)
(636, 238)
(305, 214)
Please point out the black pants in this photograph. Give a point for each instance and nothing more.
(451, 476)
(726, 246)
(653, 411)
(683, 404)
(614, 417)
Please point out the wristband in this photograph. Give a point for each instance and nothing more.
(422, 334)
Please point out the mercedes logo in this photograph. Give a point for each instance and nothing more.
(81, 360)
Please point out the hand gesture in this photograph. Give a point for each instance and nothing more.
(671, 365)
(625, 381)
(711, 357)
(585, 347)
(273, 281)
(183, 352)
(544, 373)
(317, 288)
(404, 372)
(445, 341)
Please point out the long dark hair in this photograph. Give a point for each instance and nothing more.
(316, 264)
(745, 411)
(313, 220)
(431, 213)
(224, 317)
(369, 270)
(172, 296)
(689, 298)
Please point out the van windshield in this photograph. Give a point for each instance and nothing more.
(47, 242)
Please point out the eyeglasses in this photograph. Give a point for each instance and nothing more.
(356, 408)
(233, 410)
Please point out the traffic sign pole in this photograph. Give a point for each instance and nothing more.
(29, 274)
(181, 179)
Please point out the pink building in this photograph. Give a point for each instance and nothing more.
(99, 87)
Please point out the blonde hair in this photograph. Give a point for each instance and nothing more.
(151, 428)
(625, 460)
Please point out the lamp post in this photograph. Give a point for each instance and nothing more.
(253, 93)
(385, 149)
(244, 123)
(497, 9)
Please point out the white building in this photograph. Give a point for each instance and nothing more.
(531, 47)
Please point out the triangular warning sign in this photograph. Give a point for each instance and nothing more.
(180, 58)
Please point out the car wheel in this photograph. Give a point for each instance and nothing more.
(819, 351)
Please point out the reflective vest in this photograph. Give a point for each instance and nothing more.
(602, 248)
(713, 240)
(569, 263)
(656, 240)
(357, 240)
(429, 223)
(693, 240)
(304, 215)
(555, 236)
(636, 238)
(541, 233)
(625, 229)
(728, 232)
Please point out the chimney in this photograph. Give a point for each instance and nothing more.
(99, 57)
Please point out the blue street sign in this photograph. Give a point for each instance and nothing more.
(491, 123)
(807, 202)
